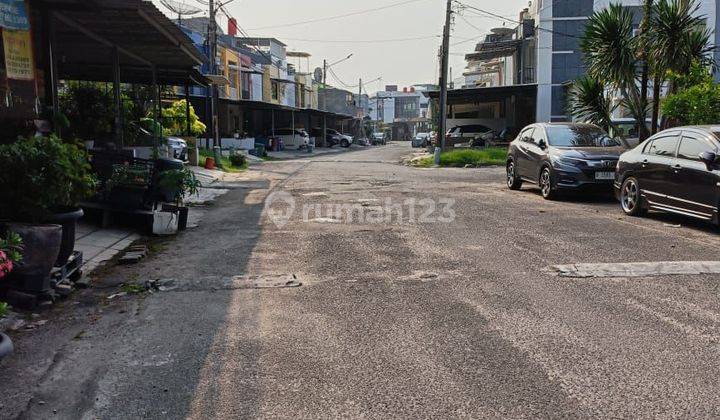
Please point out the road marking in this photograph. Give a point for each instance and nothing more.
(640, 269)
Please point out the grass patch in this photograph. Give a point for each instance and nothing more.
(132, 288)
(460, 158)
(227, 166)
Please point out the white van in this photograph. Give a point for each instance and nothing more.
(293, 139)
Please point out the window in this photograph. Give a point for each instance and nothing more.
(538, 135)
(527, 134)
(664, 146)
(274, 89)
(579, 136)
(692, 147)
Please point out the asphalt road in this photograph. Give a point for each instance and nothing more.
(409, 318)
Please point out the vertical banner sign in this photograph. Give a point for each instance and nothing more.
(18, 55)
(13, 15)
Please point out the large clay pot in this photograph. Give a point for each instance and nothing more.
(41, 247)
(6, 346)
(68, 221)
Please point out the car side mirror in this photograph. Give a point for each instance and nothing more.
(710, 159)
(542, 144)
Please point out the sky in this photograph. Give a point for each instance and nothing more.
(398, 43)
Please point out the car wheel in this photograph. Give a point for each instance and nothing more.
(345, 143)
(513, 181)
(546, 184)
(630, 199)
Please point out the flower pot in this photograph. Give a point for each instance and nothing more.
(6, 346)
(41, 247)
(68, 221)
(128, 197)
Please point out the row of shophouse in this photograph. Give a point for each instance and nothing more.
(519, 74)
(266, 87)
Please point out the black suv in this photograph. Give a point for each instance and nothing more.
(562, 157)
(676, 171)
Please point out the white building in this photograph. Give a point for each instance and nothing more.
(559, 25)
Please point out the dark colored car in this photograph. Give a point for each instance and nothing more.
(676, 171)
(563, 157)
(333, 137)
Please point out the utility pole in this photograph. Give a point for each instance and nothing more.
(442, 126)
(359, 105)
(325, 67)
(212, 55)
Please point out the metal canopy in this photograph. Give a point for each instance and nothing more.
(267, 106)
(490, 50)
(486, 94)
(85, 33)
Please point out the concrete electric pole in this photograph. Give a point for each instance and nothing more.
(442, 126)
(212, 54)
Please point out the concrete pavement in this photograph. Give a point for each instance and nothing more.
(395, 318)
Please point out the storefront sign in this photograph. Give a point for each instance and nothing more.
(18, 55)
(13, 15)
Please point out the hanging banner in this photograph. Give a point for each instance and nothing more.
(13, 15)
(18, 55)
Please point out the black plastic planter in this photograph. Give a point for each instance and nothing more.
(183, 218)
(41, 247)
(6, 346)
(127, 197)
(68, 221)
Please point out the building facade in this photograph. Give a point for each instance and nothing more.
(559, 26)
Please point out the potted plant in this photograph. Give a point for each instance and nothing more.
(128, 185)
(182, 182)
(10, 255)
(41, 180)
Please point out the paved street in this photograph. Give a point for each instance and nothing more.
(409, 320)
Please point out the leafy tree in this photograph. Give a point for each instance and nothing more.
(697, 101)
(175, 120)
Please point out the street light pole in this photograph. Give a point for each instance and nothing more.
(442, 126)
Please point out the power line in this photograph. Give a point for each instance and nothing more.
(361, 12)
(362, 41)
(503, 18)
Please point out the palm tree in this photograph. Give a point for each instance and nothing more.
(672, 38)
(588, 100)
(644, 57)
(678, 39)
(611, 55)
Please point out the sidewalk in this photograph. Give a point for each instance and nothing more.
(100, 245)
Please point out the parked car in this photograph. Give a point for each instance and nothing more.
(467, 135)
(293, 139)
(421, 140)
(562, 157)
(178, 148)
(333, 137)
(626, 129)
(378, 138)
(345, 140)
(675, 171)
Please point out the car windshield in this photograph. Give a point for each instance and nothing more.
(579, 136)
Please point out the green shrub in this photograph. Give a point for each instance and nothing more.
(4, 309)
(238, 160)
(40, 175)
